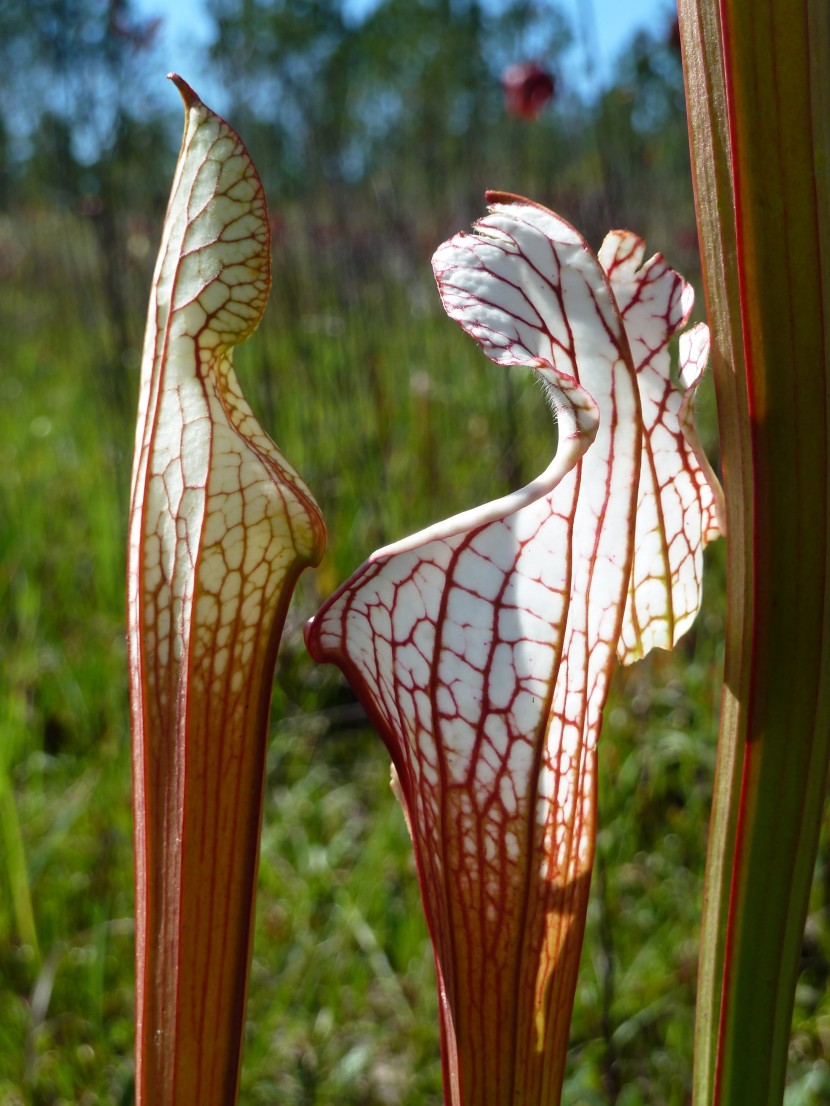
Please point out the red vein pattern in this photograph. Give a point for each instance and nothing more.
(220, 527)
(482, 646)
(677, 504)
(477, 653)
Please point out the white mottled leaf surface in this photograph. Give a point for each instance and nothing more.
(220, 527)
(678, 493)
(482, 649)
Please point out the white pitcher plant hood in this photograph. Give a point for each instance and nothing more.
(482, 647)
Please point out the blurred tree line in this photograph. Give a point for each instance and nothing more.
(376, 135)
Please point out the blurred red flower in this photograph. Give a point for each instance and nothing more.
(527, 89)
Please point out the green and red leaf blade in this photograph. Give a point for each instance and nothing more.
(759, 136)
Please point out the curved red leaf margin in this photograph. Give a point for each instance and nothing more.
(482, 647)
(220, 527)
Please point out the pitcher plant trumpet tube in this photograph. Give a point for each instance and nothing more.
(482, 647)
(220, 528)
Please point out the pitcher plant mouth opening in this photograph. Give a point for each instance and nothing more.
(482, 647)
(221, 525)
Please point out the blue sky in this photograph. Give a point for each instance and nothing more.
(603, 27)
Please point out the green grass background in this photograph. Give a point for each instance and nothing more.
(395, 419)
